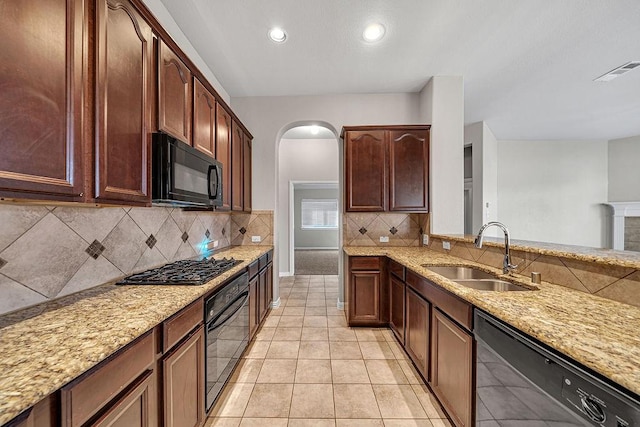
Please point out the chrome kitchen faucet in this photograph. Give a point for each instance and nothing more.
(507, 267)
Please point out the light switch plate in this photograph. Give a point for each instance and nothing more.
(446, 246)
(256, 239)
(425, 239)
(384, 239)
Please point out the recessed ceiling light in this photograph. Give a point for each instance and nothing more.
(373, 32)
(315, 130)
(277, 34)
(616, 72)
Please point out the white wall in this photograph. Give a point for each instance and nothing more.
(163, 16)
(313, 239)
(624, 169)
(442, 104)
(300, 160)
(551, 191)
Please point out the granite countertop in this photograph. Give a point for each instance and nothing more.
(579, 253)
(44, 347)
(599, 333)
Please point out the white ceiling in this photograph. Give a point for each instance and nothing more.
(528, 65)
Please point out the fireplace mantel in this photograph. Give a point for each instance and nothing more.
(622, 210)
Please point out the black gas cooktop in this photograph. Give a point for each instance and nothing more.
(186, 272)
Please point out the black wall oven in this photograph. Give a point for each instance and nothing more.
(227, 334)
(184, 176)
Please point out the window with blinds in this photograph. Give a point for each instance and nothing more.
(319, 214)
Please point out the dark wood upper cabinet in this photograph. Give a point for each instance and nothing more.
(386, 168)
(237, 161)
(204, 119)
(409, 170)
(123, 103)
(223, 153)
(246, 170)
(41, 99)
(365, 171)
(174, 94)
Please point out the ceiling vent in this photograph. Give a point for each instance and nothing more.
(616, 72)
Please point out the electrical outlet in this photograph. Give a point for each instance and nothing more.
(446, 246)
(425, 239)
(216, 243)
(384, 239)
(256, 239)
(211, 244)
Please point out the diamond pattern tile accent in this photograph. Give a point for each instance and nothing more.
(362, 230)
(207, 233)
(185, 236)
(224, 232)
(2, 263)
(242, 230)
(151, 241)
(95, 249)
(393, 230)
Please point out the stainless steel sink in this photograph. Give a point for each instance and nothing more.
(460, 273)
(492, 285)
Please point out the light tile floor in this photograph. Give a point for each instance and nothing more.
(307, 368)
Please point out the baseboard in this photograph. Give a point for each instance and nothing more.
(276, 303)
(316, 249)
(285, 274)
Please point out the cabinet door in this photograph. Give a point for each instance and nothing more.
(365, 298)
(365, 171)
(183, 373)
(269, 285)
(223, 153)
(123, 98)
(417, 331)
(41, 99)
(174, 94)
(204, 119)
(452, 368)
(253, 306)
(237, 143)
(409, 170)
(137, 408)
(396, 307)
(246, 170)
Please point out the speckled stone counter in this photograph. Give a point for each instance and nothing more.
(44, 347)
(579, 253)
(599, 333)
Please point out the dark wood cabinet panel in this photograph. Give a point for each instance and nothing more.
(269, 285)
(417, 331)
(123, 103)
(396, 307)
(452, 368)
(204, 119)
(41, 99)
(43, 414)
(237, 161)
(223, 153)
(174, 94)
(409, 170)
(246, 170)
(365, 297)
(183, 374)
(253, 306)
(180, 324)
(137, 408)
(365, 171)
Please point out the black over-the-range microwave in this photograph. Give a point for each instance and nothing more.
(183, 176)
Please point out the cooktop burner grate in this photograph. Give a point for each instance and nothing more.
(186, 272)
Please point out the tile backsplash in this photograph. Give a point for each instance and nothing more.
(48, 252)
(617, 283)
(365, 229)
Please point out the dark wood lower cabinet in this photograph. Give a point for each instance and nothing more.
(417, 331)
(365, 297)
(253, 306)
(452, 357)
(396, 307)
(137, 408)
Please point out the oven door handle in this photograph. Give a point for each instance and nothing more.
(215, 324)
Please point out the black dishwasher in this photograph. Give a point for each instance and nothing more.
(227, 333)
(519, 381)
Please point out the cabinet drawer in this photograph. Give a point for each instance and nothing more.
(263, 261)
(253, 269)
(453, 306)
(269, 256)
(84, 397)
(180, 324)
(365, 263)
(397, 269)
